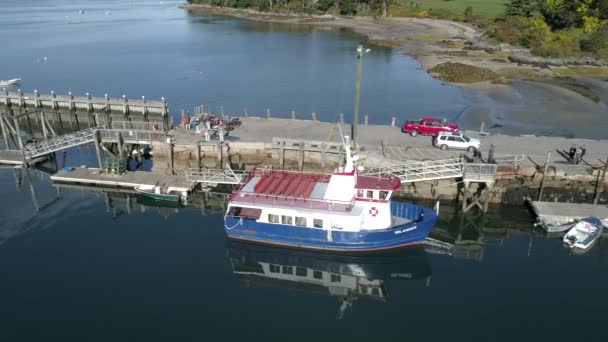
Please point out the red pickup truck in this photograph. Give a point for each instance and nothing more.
(428, 126)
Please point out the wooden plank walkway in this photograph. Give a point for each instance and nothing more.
(96, 177)
(555, 213)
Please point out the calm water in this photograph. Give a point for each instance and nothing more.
(85, 266)
(156, 50)
(88, 266)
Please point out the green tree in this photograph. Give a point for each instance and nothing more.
(468, 14)
(520, 8)
(348, 7)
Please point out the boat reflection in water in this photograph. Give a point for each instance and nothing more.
(342, 276)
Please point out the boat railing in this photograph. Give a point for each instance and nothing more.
(299, 202)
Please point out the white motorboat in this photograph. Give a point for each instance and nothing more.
(584, 234)
(4, 83)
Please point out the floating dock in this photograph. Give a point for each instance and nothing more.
(128, 180)
(556, 213)
(11, 157)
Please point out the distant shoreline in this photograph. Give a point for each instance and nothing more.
(505, 95)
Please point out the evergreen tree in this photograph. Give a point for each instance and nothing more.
(520, 8)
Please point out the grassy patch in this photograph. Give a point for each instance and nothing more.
(386, 43)
(581, 71)
(462, 73)
(430, 37)
(489, 8)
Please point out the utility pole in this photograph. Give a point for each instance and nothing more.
(357, 96)
(355, 131)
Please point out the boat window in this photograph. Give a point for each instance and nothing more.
(301, 271)
(363, 290)
(287, 270)
(272, 218)
(370, 194)
(275, 268)
(249, 213)
(317, 223)
(383, 195)
(317, 274)
(335, 278)
(286, 220)
(376, 291)
(301, 221)
(359, 193)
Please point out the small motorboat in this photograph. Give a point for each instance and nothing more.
(584, 234)
(159, 193)
(4, 83)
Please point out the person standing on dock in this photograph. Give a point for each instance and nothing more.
(571, 153)
(491, 155)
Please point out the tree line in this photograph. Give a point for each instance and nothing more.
(343, 7)
(556, 28)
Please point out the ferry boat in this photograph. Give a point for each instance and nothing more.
(345, 277)
(341, 212)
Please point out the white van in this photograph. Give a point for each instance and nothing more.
(456, 140)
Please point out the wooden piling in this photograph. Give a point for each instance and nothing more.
(282, 154)
(220, 154)
(293, 115)
(542, 180)
(393, 121)
(98, 149)
(465, 196)
(120, 145)
(301, 157)
(314, 116)
(198, 156)
(600, 184)
(171, 158)
(366, 119)
(268, 116)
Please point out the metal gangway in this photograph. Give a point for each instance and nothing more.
(215, 176)
(58, 143)
(133, 132)
(421, 171)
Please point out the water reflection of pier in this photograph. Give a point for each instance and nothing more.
(347, 278)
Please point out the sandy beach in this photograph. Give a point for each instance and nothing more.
(521, 99)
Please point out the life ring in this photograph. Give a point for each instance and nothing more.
(373, 211)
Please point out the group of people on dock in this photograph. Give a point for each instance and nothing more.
(576, 154)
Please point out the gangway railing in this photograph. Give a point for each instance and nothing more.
(58, 143)
(130, 136)
(479, 172)
(215, 176)
(421, 171)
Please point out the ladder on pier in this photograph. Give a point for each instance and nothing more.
(213, 177)
(59, 143)
(421, 171)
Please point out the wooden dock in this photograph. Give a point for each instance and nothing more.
(556, 213)
(11, 157)
(128, 180)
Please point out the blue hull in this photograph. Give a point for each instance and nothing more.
(317, 239)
